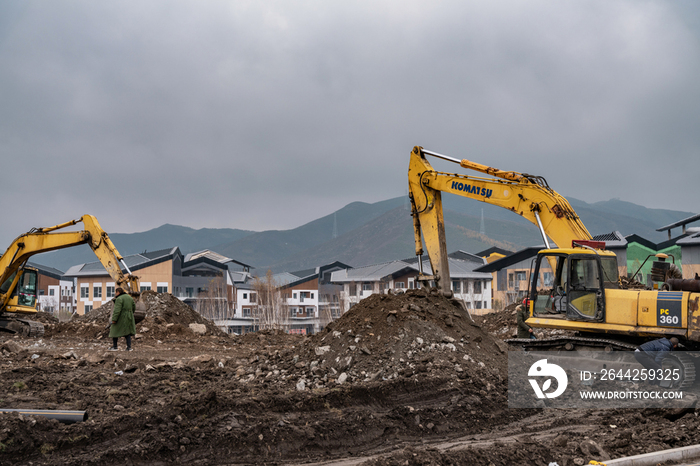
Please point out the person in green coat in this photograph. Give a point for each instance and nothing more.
(524, 330)
(123, 324)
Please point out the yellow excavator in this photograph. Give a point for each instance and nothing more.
(574, 283)
(18, 282)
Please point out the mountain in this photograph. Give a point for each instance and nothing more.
(362, 233)
(390, 237)
(165, 236)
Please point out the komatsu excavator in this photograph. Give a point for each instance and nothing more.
(574, 283)
(18, 282)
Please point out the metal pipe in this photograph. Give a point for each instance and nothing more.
(676, 284)
(125, 266)
(444, 157)
(66, 417)
(539, 224)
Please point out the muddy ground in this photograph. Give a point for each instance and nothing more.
(399, 380)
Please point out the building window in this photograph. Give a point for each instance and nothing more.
(353, 290)
(189, 292)
(366, 287)
(456, 286)
(97, 291)
(245, 295)
(478, 304)
(400, 285)
(477, 288)
(88, 308)
(51, 292)
(84, 292)
(145, 287)
(486, 304)
(162, 289)
(511, 282)
(292, 311)
(312, 296)
(294, 296)
(246, 312)
(110, 291)
(309, 312)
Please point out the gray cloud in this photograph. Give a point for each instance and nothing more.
(261, 115)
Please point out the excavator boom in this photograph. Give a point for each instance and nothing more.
(526, 195)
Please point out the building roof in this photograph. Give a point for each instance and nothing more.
(680, 223)
(493, 250)
(389, 270)
(284, 278)
(215, 256)
(612, 240)
(320, 273)
(134, 262)
(371, 273)
(655, 246)
(694, 238)
(46, 270)
(239, 277)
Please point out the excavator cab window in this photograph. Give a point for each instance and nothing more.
(26, 289)
(549, 297)
(585, 290)
(5, 287)
(568, 287)
(611, 276)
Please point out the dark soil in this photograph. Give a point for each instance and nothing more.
(399, 380)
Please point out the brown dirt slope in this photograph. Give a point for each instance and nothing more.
(394, 376)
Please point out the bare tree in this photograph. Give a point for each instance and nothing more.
(271, 310)
(212, 303)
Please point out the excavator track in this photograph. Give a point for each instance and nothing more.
(677, 359)
(571, 344)
(32, 329)
(24, 327)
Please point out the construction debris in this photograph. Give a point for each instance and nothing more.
(399, 376)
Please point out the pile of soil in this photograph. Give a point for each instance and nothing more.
(166, 317)
(388, 336)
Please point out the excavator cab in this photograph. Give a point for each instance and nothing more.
(570, 284)
(23, 284)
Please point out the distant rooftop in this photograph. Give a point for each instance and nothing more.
(680, 223)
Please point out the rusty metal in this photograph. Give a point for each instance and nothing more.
(684, 285)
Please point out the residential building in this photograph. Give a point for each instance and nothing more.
(202, 282)
(312, 300)
(297, 302)
(513, 276)
(468, 285)
(54, 293)
(640, 256)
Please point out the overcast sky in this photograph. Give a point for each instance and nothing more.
(268, 114)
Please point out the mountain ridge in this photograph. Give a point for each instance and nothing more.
(362, 233)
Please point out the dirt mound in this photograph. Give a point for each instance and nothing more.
(421, 332)
(44, 318)
(166, 316)
(501, 324)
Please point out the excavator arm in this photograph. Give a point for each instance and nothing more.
(527, 195)
(48, 239)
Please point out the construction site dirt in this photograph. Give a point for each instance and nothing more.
(400, 379)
